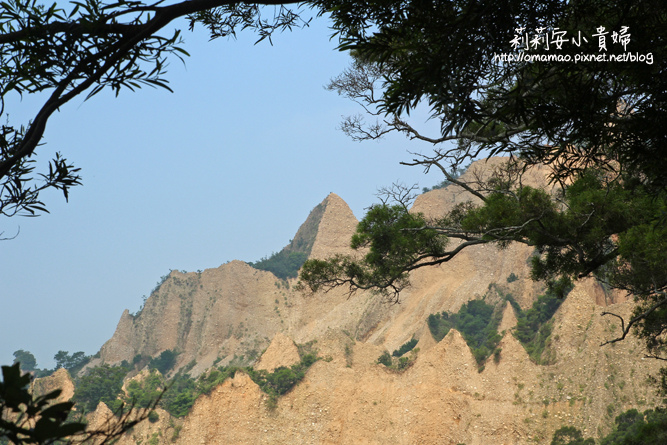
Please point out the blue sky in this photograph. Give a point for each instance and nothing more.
(227, 167)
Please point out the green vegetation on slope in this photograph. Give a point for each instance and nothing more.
(164, 362)
(143, 393)
(477, 322)
(399, 365)
(632, 428)
(569, 435)
(286, 263)
(183, 390)
(282, 379)
(181, 395)
(455, 174)
(282, 264)
(533, 327)
(405, 348)
(178, 394)
(100, 384)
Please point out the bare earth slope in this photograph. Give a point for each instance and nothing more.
(235, 310)
(232, 312)
(441, 399)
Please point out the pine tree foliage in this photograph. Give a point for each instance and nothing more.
(596, 127)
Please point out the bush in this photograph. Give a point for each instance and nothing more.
(478, 324)
(100, 384)
(183, 390)
(180, 395)
(208, 381)
(406, 347)
(153, 417)
(533, 327)
(439, 325)
(385, 359)
(402, 364)
(569, 435)
(308, 359)
(283, 264)
(282, 379)
(164, 362)
(633, 427)
(143, 394)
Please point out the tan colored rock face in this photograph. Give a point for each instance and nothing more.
(336, 228)
(509, 319)
(58, 380)
(281, 352)
(442, 398)
(202, 316)
(234, 310)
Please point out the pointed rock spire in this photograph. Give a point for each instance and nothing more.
(281, 352)
(335, 229)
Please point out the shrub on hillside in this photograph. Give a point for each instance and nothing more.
(282, 379)
(633, 427)
(533, 327)
(143, 393)
(100, 384)
(477, 322)
(384, 359)
(399, 365)
(164, 362)
(282, 264)
(183, 390)
(405, 348)
(569, 435)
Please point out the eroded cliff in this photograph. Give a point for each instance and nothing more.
(232, 313)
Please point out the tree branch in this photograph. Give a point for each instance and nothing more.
(130, 36)
(626, 329)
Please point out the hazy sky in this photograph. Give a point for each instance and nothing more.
(227, 167)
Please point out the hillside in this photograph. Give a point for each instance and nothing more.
(231, 314)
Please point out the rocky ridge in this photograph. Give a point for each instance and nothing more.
(442, 398)
(231, 313)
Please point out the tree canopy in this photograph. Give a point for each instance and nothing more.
(62, 53)
(567, 110)
(27, 360)
(42, 419)
(514, 78)
(579, 87)
(71, 362)
(100, 384)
